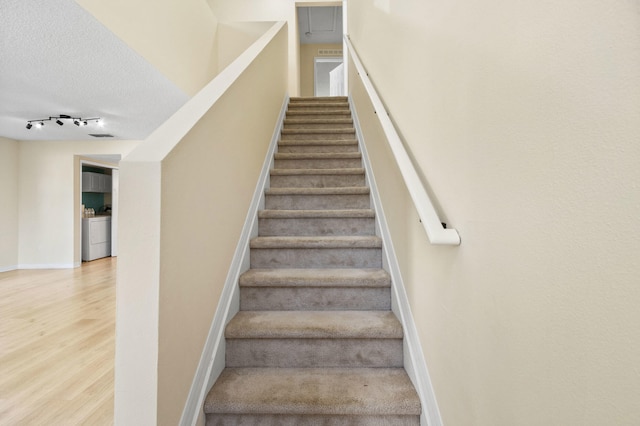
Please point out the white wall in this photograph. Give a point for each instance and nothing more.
(524, 119)
(177, 37)
(274, 10)
(46, 174)
(9, 204)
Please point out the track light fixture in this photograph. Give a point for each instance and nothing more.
(78, 121)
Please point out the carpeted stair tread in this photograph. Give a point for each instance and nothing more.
(313, 242)
(319, 222)
(316, 142)
(317, 155)
(317, 160)
(319, 146)
(324, 277)
(302, 104)
(345, 171)
(317, 177)
(318, 109)
(318, 99)
(333, 112)
(310, 420)
(314, 325)
(326, 131)
(317, 198)
(314, 289)
(318, 122)
(300, 107)
(340, 391)
(329, 121)
(305, 214)
(349, 190)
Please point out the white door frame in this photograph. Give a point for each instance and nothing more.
(344, 48)
(82, 161)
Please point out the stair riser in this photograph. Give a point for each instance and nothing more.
(318, 115)
(309, 420)
(314, 299)
(316, 258)
(317, 99)
(319, 136)
(329, 163)
(312, 125)
(323, 100)
(320, 106)
(318, 278)
(316, 226)
(316, 181)
(316, 202)
(310, 353)
(319, 148)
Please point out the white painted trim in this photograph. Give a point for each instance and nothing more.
(345, 53)
(115, 206)
(414, 362)
(212, 360)
(426, 211)
(8, 268)
(48, 265)
(86, 161)
(105, 165)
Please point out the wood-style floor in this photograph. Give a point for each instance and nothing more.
(57, 330)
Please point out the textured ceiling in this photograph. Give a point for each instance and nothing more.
(57, 59)
(318, 25)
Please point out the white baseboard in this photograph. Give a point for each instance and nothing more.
(8, 268)
(47, 266)
(414, 362)
(212, 360)
(40, 266)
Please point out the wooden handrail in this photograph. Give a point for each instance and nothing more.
(436, 232)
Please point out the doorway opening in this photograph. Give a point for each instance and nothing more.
(328, 77)
(320, 33)
(96, 190)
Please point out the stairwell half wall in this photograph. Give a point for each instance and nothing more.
(185, 195)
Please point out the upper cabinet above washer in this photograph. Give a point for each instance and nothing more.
(96, 182)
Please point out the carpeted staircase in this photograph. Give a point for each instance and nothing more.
(315, 341)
